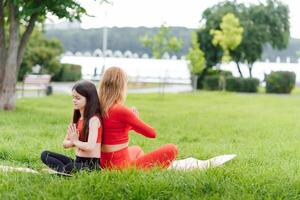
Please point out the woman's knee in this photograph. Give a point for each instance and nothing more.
(171, 149)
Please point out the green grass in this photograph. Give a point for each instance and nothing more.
(262, 129)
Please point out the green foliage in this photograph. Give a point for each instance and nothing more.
(211, 82)
(162, 42)
(250, 85)
(43, 52)
(68, 72)
(195, 56)
(216, 79)
(230, 35)
(67, 9)
(280, 82)
(237, 84)
(262, 24)
(218, 72)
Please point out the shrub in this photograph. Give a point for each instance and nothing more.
(280, 82)
(214, 79)
(68, 72)
(235, 84)
(211, 82)
(250, 85)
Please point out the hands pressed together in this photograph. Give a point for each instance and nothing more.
(73, 134)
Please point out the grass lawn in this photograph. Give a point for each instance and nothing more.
(264, 130)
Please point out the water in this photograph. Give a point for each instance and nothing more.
(174, 71)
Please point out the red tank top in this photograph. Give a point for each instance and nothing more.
(119, 122)
(80, 130)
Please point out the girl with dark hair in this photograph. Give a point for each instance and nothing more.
(84, 133)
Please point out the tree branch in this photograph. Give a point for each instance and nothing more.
(25, 37)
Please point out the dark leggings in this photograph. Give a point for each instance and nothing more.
(68, 165)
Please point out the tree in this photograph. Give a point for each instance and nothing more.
(229, 37)
(262, 24)
(162, 42)
(211, 19)
(196, 60)
(265, 24)
(24, 13)
(195, 56)
(43, 52)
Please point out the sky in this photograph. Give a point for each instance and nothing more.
(153, 13)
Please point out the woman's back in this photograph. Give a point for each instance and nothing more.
(119, 122)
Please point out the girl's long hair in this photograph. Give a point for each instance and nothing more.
(92, 107)
(112, 89)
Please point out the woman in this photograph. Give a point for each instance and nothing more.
(84, 133)
(118, 120)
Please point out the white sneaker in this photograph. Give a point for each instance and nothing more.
(220, 160)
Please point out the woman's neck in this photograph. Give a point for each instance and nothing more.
(81, 113)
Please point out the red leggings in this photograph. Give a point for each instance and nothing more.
(134, 157)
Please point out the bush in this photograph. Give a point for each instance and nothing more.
(210, 72)
(280, 82)
(241, 84)
(211, 82)
(233, 84)
(68, 72)
(250, 85)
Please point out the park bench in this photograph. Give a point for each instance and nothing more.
(40, 83)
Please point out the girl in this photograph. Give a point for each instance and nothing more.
(118, 120)
(84, 133)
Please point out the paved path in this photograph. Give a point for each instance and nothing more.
(66, 88)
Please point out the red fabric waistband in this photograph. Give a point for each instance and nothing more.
(116, 155)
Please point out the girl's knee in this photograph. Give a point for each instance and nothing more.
(44, 156)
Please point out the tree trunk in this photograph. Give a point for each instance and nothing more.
(2, 43)
(250, 67)
(8, 89)
(239, 69)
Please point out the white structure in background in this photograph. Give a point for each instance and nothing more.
(128, 54)
(145, 56)
(261, 68)
(98, 53)
(153, 70)
(118, 54)
(138, 69)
